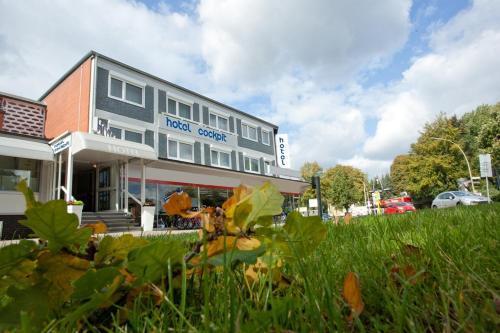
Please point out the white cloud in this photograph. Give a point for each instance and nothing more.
(40, 40)
(252, 42)
(461, 72)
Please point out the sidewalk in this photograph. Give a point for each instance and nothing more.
(118, 234)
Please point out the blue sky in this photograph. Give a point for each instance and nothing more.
(350, 81)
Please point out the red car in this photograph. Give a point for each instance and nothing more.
(399, 208)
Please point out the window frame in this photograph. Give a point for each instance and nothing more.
(244, 123)
(219, 115)
(268, 136)
(250, 164)
(219, 151)
(265, 168)
(123, 129)
(125, 80)
(178, 140)
(177, 101)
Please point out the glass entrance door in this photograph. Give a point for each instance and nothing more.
(104, 190)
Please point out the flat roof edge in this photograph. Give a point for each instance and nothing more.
(21, 98)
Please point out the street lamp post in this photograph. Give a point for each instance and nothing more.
(465, 156)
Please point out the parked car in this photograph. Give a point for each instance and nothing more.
(457, 198)
(399, 208)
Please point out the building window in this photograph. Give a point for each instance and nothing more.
(248, 132)
(220, 122)
(252, 164)
(15, 169)
(126, 91)
(179, 109)
(267, 167)
(180, 150)
(133, 136)
(220, 158)
(266, 137)
(115, 132)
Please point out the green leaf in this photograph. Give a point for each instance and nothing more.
(112, 250)
(32, 301)
(149, 263)
(264, 201)
(51, 222)
(92, 282)
(304, 233)
(236, 256)
(11, 255)
(29, 197)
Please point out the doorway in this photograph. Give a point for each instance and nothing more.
(84, 188)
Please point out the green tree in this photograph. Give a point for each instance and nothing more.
(307, 171)
(343, 186)
(400, 173)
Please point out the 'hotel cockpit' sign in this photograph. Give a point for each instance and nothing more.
(283, 151)
(194, 130)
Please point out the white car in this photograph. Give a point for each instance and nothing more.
(457, 198)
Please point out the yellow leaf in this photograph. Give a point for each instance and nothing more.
(239, 194)
(207, 222)
(97, 228)
(217, 245)
(177, 204)
(61, 270)
(247, 244)
(352, 295)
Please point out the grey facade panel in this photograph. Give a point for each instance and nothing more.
(259, 134)
(240, 157)
(196, 112)
(262, 166)
(103, 102)
(245, 143)
(205, 115)
(231, 124)
(162, 145)
(197, 152)
(238, 126)
(207, 154)
(162, 101)
(149, 138)
(233, 160)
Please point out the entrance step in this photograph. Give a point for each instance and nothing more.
(115, 221)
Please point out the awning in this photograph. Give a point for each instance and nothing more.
(25, 148)
(98, 148)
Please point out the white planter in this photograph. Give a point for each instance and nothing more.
(147, 218)
(77, 210)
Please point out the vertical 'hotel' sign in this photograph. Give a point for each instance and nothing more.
(283, 151)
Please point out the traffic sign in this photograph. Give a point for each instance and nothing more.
(485, 165)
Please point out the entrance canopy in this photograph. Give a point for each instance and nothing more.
(25, 148)
(98, 148)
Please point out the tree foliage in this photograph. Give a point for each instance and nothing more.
(307, 171)
(343, 186)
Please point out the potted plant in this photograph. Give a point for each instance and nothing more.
(147, 215)
(76, 207)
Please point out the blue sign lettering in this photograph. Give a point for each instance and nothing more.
(212, 135)
(177, 124)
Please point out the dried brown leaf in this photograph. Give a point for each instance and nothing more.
(352, 295)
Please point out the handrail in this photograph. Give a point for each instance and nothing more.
(134, 198)
(66, 192)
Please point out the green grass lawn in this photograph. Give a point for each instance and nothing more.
(456, 287)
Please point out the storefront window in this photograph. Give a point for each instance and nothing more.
(213, 197)
(14, 169)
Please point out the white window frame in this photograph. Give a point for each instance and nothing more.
(125, 80)
(268, 172)
(244, 123)
(182, 140)
(268, 136)
(218, 150)
(250, 164)
(177, 101)
(123, 129)
(219, 115)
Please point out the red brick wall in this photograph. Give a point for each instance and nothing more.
(68, 103)
(21, 117)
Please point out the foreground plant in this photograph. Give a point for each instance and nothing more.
(71, 276)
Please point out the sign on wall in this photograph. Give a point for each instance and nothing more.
(196, 131)
(61, 144)
(283, 151)
(485, 165)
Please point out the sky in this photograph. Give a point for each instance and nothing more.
(351, 81)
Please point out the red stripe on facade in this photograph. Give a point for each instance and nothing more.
(166, 182)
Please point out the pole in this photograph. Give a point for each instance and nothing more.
(465, 156)
(318, 195)
(487, 189)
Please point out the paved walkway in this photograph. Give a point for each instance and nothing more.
(118, 234)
